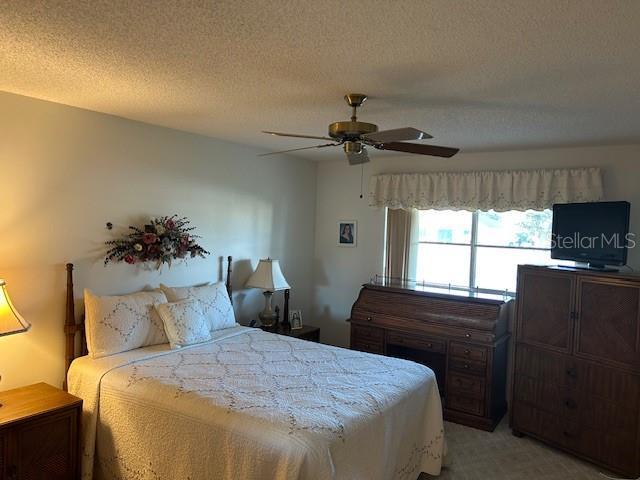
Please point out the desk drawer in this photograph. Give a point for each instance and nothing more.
(468, 352)
(467, 385)
(465, 404)
(420, 343)
(410, 323)
(367, 339)
(617, 451)
(364, 346)
(566, 371)
(369, 334)
(467, 366)
(366, 317)
(577, 406)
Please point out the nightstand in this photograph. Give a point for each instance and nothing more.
(307, 332)
(39, 427)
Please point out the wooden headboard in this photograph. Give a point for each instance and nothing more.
(73, 329)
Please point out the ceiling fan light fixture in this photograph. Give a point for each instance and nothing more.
(352, 147)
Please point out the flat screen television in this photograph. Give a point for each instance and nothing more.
(594, 233)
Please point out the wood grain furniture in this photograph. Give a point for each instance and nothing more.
(307, 332)
(39, 434)
(461, 336)
(577, 364)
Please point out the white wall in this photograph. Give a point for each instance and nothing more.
(339, 271)
(66, 172)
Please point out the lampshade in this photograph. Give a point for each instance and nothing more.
(268, 276)
(10, 320)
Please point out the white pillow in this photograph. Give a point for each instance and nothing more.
(120, 323)
(214, 301)
(184, 322)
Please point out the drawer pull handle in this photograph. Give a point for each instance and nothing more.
(468, 335)
(429, 345)
(570, 403)
(467, 352)
(466, 366)
(369, 319)
(572, 372)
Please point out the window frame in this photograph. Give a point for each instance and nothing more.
(474, 245)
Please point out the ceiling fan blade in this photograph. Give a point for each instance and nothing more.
(280, 134)
(396, 135)
(298, 149)
(433, 150)
(358, 158)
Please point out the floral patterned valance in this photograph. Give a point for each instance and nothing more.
(490, 190)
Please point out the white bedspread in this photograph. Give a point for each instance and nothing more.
(254, 405)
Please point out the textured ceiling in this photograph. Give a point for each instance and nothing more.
(479, 75)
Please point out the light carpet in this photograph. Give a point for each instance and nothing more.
(498, 455)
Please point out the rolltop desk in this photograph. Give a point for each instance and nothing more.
(462, 336)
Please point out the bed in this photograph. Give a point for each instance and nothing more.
(253, 405)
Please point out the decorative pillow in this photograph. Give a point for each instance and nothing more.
(214, 301)
(184, 322)
(120, 323)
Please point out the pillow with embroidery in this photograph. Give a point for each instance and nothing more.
(185, 322)
(119, 323)
(213, 299)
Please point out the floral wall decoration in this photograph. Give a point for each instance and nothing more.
(162, 240)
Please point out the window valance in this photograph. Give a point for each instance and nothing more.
(490, 190)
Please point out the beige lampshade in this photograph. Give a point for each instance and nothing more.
(10, 320)
(268, 276)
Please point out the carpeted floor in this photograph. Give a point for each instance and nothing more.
(478, 455)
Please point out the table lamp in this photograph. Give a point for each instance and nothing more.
(10, 320)
(269, 278)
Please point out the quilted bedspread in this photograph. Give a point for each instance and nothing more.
(255, 405)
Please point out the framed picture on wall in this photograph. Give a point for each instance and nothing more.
(347, 233)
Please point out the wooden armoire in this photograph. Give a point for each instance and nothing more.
(576, 381)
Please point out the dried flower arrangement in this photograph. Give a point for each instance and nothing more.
(162, 240)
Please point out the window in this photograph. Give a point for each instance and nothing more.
(480, 249)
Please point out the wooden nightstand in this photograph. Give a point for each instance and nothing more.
(39, 427)
(307, 332)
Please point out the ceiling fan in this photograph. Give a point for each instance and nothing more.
(355, 137)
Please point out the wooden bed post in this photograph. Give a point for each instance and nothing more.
(69, 325)
(228, 281)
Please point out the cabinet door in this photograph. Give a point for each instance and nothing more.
(46, 449)
(545, 308)
(608, 324)
(3, 455)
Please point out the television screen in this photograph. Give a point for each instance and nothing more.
(595, 233)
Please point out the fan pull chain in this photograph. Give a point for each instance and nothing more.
(361, 177)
